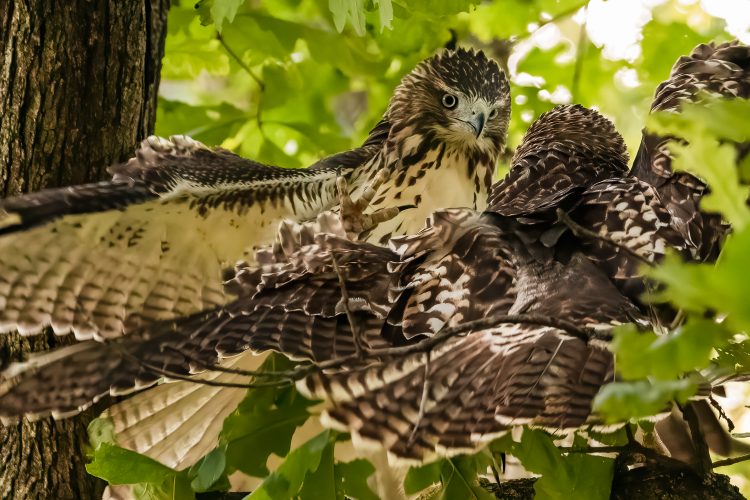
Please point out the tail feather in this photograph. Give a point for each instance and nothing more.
(178, 423)
(721, 70)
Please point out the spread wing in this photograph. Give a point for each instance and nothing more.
(150, 244)
(472, 387)
(563, 152)
(290, 302)
(477, 386)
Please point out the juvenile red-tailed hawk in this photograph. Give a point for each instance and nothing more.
(517, 258)
(101, 260)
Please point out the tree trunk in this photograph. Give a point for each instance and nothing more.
(78, 82)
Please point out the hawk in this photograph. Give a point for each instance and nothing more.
(711, 69)
(465, 265)
(107, 259)
(470, 389)
(98, 259)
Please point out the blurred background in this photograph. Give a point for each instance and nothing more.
(288, 81)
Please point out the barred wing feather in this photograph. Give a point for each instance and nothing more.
(101, 259)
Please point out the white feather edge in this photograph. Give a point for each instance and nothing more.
(178, 423)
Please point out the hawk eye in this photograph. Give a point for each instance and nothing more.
(492, 114)
(450, 101)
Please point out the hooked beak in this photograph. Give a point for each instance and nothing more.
(477, 122)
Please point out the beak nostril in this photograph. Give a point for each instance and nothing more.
(477, 122)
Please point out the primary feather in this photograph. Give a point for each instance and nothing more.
(152, 244)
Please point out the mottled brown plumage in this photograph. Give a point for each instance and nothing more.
(517, 258)
(462, 266)
(487, 380)
(711, 69)
(563, 152)
(150, 244)
(153, 244)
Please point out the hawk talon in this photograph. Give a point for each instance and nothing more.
(353, 219)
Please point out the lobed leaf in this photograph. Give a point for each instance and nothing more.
(623, 401)
(287, 480)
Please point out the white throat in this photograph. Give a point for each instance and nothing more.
(442, 179)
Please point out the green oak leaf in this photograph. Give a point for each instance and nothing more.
(263, 424)
(622, 401)
(152, 480)
(209, 470)
(687, 348)
(575, 475)
(351, 479)
(287, 479)
(348, 10)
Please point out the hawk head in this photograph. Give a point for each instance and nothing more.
(457, 96)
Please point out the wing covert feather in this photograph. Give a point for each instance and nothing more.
(151, 244)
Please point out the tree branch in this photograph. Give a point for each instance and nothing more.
(423, 400)
(731, 461)
(377, 355)
(593, 449)
(581, 231)
(213, 383)
(699, 440)
(240, 62)
(356, 333)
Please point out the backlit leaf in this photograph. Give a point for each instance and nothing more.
(575, 475)
(622, 401)
(286, 481)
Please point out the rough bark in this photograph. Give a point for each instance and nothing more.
(78, 82)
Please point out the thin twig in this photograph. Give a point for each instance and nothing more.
(423, 400)
(585, 334)
(223, 369)
(678, 319)
(212, 383)
(240, 62)
(731, 461)
(629, 434)
(186, 378)
(581, 231)
(722, 413)
(495, 472)
(593, 449)
(358, 347)
(386, 353)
